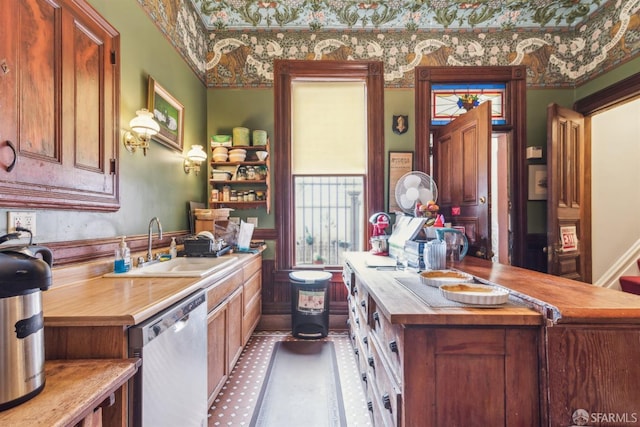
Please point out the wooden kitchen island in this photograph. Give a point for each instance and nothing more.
(557, 347)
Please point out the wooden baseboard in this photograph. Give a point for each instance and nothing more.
(282, 322)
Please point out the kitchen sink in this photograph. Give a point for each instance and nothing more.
(178, 267)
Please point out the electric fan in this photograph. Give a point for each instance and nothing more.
(415, 187)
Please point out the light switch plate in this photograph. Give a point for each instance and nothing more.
(21, 219)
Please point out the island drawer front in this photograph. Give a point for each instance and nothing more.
(386, 392)
(361, 302)
(355, 334)
(391, 340)
(222, 289)
(359, 320)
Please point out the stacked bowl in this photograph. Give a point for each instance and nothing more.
(220, 154)
(237, 155)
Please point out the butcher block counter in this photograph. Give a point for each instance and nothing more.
(75, 392)
(89, 317)
(558, 348)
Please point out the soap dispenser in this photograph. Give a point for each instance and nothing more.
(122, 262)
(173, 250)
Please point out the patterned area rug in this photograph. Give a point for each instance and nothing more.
(236, 402)
(302, 387)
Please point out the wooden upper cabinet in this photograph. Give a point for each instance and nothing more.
(59, 86)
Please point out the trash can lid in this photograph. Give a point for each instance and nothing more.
(309, 276)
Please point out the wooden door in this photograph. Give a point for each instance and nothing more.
(217, 372)
(568, 236)
(462, 172)
(234, 323)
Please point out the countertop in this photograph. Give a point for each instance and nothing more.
(126, 301)
(545, 298)
(73, 389)
(401, 306)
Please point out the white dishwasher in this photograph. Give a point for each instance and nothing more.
(170, 388)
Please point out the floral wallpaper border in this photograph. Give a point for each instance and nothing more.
(561, 57)
(409, 15)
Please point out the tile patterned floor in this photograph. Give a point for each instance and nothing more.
(236, 401)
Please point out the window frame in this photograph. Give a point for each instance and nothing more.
(286, 71)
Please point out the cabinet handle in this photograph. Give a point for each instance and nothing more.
(393, 346)
(353, 337)
(386, 401)
(355, 290)
(365, 340)
(364, 377)
(376, 317)
(15, 156)
(370, 406)
(358, 322)
(371, 362)
(355, 350)
(363, 303)
(353, 310)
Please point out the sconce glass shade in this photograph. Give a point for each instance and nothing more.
(197, 154)
(144, 124)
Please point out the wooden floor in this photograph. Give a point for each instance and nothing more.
(236, 402)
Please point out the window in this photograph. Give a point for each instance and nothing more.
(328, 141)
(324, 192)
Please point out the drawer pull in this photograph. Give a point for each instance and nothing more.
(363, 303)
(376, 317)
(358, 322)
(370, 405)
(365, 340)
(393, 346)
(353, 337)
(353, 310)
(386, 401)
(371, 362)
(355, 350)
(364, 377)
(355, 291)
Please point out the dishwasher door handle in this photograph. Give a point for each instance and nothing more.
(181, 324)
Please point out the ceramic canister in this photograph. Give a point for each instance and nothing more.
(259, 137)
(240, 136)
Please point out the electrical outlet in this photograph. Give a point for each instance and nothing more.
(21, 219)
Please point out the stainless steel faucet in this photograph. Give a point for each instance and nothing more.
(155, 218)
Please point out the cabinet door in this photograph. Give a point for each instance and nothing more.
(59, 100)
(234, 307)
(252, 304)
(216, 350)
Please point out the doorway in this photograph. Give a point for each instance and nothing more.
(510, 136)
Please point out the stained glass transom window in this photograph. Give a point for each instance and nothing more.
(451, 100)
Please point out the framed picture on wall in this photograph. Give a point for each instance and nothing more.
(400, 162)
(537, 182)
(169, 113)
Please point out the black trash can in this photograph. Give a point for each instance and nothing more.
(310, 303)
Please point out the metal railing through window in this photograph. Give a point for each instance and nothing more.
(329, 218)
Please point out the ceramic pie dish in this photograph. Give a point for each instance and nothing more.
(442, 277)
(474, 294)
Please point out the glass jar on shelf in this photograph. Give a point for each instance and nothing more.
(242, 173)
(251, 173)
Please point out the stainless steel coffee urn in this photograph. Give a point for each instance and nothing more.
(25, 271)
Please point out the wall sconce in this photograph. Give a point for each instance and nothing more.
(143, 127)
(195, 156)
